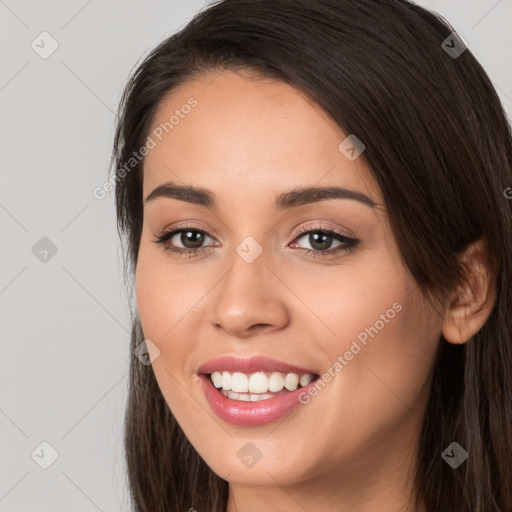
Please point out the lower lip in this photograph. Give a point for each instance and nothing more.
(250, 414)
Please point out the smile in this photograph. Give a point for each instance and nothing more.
(253, 391)
(258, 386)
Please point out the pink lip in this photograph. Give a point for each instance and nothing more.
(251, 365)
(250, 414)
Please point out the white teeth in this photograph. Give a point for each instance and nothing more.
(239, 382)
(276, 382)
(258, 383)
(217, 379)
(247, 397)
(226, 380)
(306, 379)
(291, 381)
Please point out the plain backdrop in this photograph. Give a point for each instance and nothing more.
(64, 317)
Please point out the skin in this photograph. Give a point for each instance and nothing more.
(352, 447)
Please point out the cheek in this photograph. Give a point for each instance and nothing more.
(390, 372)
(169, 306)
(164, 302)
(354, 301)
(405, 354)
(165, 295)
(381, 329)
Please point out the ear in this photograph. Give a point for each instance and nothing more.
(470, 305)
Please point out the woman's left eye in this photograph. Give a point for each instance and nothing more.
(320, 241)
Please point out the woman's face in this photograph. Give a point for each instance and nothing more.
(278, 282)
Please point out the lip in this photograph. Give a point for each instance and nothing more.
(250, 414)
(251, 365)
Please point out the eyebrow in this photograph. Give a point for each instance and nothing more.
(284, 201)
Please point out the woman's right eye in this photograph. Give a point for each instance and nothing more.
(193, 237)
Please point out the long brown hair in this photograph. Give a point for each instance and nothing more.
(440, 147)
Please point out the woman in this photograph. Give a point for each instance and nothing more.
(313, 198)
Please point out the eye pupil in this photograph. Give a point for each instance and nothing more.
(193, 237)
(325, 241)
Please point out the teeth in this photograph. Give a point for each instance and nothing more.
(226, 380)
(276, 382)
(291, 381)
(217, 379)
(239, 382)
(247, 397)
(306, 379)
(258, 383)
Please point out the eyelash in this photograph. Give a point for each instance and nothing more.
(349, 243)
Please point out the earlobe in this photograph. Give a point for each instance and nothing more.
(472, 302)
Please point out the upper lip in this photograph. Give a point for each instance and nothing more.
(251, 365)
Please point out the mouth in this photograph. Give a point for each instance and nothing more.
(249, 409)
(253, 391)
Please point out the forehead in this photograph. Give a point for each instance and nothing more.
(237, 130)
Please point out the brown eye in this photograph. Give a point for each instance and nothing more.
(191, 240)
(321, 241)
(192, 237)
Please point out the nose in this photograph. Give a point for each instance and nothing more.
(250, 300)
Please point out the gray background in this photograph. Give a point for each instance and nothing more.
(65, 321)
